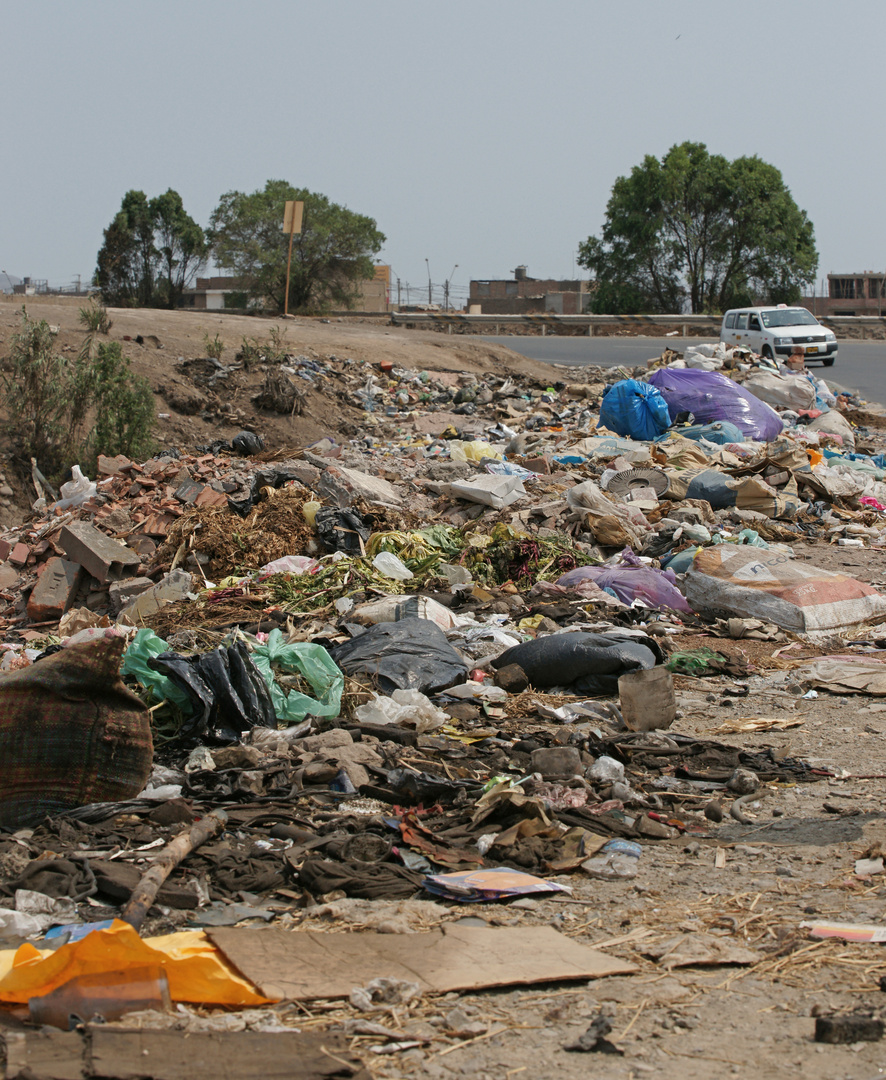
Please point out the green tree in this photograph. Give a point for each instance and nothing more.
(332, 253)
(180, 244)
(151, 252)
(696, 228)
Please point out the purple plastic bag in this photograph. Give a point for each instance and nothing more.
(711, 395)
(632, 580)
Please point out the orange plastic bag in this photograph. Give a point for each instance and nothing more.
(196, 970)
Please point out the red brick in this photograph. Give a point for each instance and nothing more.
(5, 548)
(19, 554)
(52, 595)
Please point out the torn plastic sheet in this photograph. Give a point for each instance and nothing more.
(493, 883)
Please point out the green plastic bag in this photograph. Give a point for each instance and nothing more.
(145, 645)
(317, 666)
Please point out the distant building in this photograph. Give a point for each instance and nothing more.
(851, 294)
(523, 295)
(223, 293)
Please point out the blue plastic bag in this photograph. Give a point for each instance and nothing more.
(720, 432)
(634, 410)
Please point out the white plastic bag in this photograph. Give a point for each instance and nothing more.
(406, 708)
(388, 564)
(75, 492)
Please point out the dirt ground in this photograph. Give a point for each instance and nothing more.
(750, 885)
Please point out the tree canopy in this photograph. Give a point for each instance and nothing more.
(696, 229)
(152, 250)
(332, 253)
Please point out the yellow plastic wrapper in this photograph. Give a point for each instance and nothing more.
(530, 622)
(472, 451)
(196, 970)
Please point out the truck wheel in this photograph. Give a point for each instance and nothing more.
(767, 352)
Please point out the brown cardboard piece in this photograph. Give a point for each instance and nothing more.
(291, 965)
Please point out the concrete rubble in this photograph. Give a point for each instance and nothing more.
(392, 661)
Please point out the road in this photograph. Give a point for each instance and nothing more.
(860, 365)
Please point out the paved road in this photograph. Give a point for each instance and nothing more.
(860, 365)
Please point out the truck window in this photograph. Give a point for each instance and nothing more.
(730, 321)
(741, 322)
(753, 323)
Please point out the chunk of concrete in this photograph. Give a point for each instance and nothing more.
(343, 486)
(175, 586)
(122, 592)
(98, 554)
(52, 595)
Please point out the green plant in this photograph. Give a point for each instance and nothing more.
(95, 317)
(214, 346)
(250, 352)
(36, 390)
(278, 350)
(124, 406)
(49, 400)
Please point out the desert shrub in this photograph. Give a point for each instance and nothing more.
(124, 406)
(214, 346)
(49, 399)
(95, 317)
(35, 387)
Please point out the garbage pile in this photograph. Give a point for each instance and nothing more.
(435, 662)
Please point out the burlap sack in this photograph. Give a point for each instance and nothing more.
(71, 733)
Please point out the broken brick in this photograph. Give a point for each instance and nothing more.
(210, 497)
(103, 557)
(52, 595)
(112, 466)
(19, 554)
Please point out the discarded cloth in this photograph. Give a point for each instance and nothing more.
(71, 733)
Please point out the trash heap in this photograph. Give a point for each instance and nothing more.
(436, 662)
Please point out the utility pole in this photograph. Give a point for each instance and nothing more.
(430, 297)
(446, 288)
(398, 292)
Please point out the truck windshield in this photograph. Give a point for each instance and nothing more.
(795, 316)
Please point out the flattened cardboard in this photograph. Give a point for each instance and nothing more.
(301, 966)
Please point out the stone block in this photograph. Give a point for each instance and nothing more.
(98, 554)
(52, 595)
(9, 576)
(557, 762)
(189, 491)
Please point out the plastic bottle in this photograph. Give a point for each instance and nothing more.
(109, 994)
(616, 859)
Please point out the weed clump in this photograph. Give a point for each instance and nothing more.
(62, 411)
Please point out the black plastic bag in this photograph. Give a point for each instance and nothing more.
(586, 663)
(412, 654)
(247, 443)
(275, 478)
(341, 530)
(226, 689)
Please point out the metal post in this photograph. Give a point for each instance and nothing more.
(288, 264)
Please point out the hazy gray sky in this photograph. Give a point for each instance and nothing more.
(486, 133)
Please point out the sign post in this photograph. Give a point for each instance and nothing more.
(292, 219)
